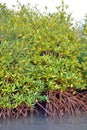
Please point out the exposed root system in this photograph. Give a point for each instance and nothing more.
(21, 110)
(60, 103)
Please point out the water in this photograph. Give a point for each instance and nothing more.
(44, 123)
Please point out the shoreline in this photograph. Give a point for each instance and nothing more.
(60, 103)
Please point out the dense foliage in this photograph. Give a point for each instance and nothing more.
(39, 52)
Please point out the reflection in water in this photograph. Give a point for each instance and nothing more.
(44, 123)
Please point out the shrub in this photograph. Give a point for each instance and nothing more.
(38, 53)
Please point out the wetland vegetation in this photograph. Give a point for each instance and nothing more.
(43, 62)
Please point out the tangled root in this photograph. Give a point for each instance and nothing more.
(65, 102)
(60, 103)
(21, 110)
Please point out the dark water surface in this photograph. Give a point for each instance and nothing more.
(44, 123)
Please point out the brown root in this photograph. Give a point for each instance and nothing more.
(70, 102)
(21, 110)
(65, 102)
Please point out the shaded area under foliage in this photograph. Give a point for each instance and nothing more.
(60, 103)
(67, 102)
